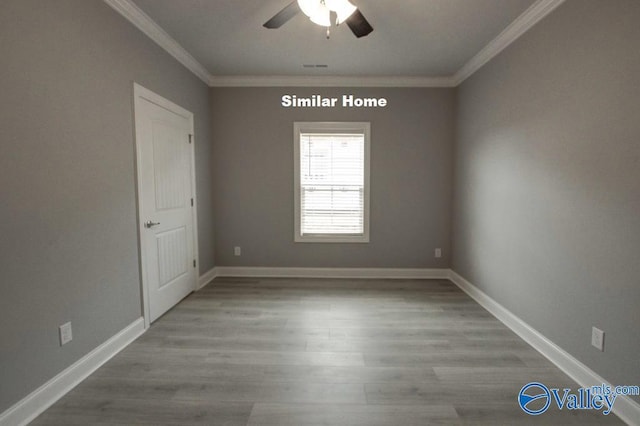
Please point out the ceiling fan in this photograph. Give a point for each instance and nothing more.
(322, 12)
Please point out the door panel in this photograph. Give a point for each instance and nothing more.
(170, 164)
(173, 257)
(165, 193)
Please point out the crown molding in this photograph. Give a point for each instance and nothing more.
(144, 23)
(329, 81)
(519, 26)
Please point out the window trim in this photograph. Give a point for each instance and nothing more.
(331, 127)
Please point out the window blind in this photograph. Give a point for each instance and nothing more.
(332, 183)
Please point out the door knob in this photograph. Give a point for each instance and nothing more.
(149, 224)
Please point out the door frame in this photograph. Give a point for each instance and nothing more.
(141, 94)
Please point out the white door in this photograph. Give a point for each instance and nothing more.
(166, 205)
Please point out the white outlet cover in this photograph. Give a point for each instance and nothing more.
(597, 338)
(237, 251)
(66, 334)
(438, 252)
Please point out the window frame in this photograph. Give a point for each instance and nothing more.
(300, 127)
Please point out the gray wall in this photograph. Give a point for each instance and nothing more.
(68, 246)
(411, 142)
(547, 175)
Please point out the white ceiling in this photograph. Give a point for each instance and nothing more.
(418, 38)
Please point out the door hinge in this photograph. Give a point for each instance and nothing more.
(190, 138)
(192, 202)
(194, 263)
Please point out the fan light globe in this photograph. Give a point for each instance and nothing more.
(309, 7)
(319, 11)
(322, 16)
(343, 8)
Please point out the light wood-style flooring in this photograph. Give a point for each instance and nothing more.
(283, 352)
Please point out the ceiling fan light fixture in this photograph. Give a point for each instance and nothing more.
(319, 11)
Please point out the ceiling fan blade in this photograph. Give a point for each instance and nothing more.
(358, 24)
(283, 16)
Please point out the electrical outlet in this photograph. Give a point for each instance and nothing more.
(237, 251)
(438, 253)
(597, 338)
(65, 333)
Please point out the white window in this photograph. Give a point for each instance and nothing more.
(331, 182)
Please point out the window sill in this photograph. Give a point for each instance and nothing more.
(332, 239)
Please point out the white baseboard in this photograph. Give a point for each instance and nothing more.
(207, 277)
(42, 398)
(627, 409)
(369, 273)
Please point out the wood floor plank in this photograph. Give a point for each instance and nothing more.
(284, 392)
(376, 345)
(352, 415)
(230, 343)
(362, 375)
(438, 393)
(287, 358)
(87, 411)
(257, 330)
(502, 374)
(177, 369)
(442, 359)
